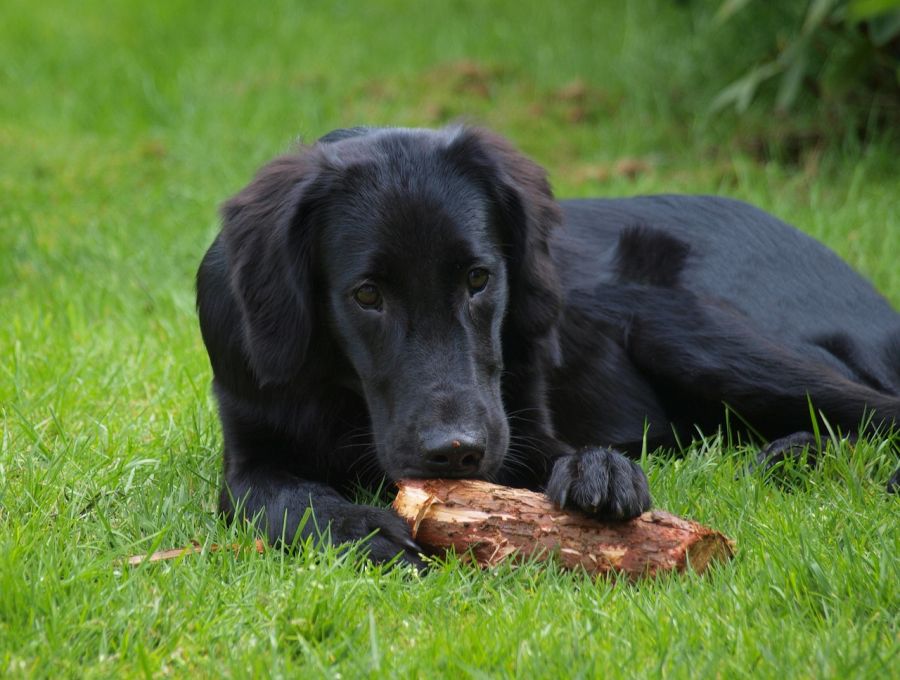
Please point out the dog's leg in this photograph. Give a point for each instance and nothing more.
(893, 485)
(286, 508)
(714, 356)
(803, 448)
(799, 447)
(599, 481)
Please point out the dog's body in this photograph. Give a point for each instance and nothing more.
(698, 302)
(415, 303)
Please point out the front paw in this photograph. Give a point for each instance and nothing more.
(600, 482)
(384, 534)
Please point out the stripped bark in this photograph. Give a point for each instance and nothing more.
(492, 523)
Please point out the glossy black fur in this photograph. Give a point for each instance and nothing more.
(602, 322)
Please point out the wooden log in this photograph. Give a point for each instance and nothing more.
(492, 523)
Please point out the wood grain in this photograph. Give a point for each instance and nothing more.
(493, 523)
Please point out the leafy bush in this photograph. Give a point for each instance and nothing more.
(841, 55)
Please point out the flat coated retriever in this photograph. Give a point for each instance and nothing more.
(415, 303)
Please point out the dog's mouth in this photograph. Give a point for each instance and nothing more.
(423, 447)
(457, 461)
(418, 472)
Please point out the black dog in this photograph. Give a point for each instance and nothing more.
(414, 303)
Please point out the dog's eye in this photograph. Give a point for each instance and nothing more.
(368, 296)
(478, 279)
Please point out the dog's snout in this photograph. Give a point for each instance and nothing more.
(452, 455)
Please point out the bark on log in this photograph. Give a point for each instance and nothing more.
(493, 523)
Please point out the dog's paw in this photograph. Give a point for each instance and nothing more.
(893, 485)
(799, 448)
(384, 534)
(600, 482)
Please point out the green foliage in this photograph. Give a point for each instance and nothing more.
(844, 53)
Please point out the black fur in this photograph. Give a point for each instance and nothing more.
(351, 337)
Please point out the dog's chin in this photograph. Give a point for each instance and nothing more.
(395, 471)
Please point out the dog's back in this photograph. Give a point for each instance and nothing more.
(789, 286)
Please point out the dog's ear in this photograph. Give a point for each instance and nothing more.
(268, 237)
(527, 213)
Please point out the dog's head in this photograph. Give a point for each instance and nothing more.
(414, 253)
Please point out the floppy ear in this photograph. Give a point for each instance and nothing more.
(527, 213)
(268, 239)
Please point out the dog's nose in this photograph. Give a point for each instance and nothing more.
(452, 456)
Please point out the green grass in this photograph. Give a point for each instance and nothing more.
(124, 125)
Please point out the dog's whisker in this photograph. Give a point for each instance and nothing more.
(516, 460)
(526, 409)
(360, 435)
(522, 420)
(367, 458)
(531, 444)
(525, 438)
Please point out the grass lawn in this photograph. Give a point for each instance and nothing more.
(124, 125)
